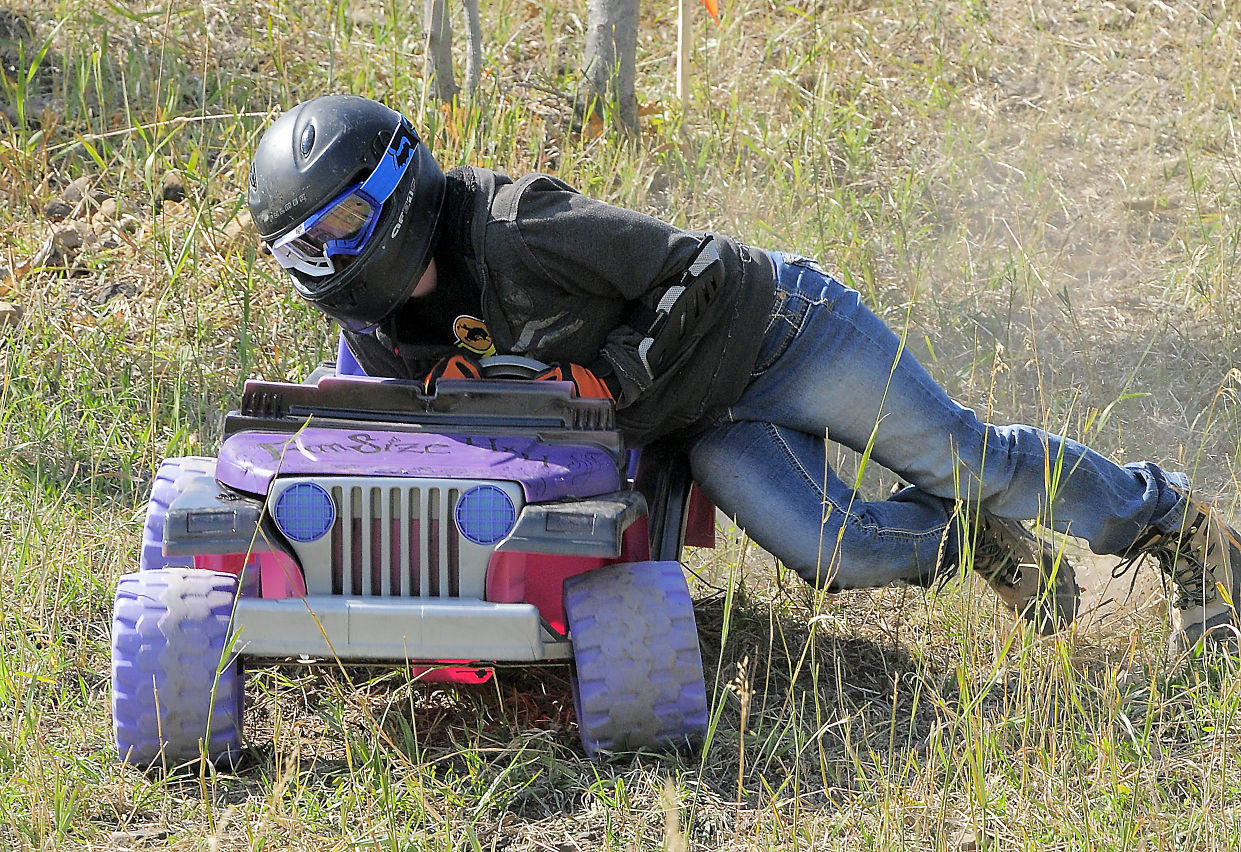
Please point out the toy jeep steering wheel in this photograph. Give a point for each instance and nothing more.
(511, 367)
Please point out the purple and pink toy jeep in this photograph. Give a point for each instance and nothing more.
(493, 522)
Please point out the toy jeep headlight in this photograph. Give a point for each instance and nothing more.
(485, 514)
(305, 512)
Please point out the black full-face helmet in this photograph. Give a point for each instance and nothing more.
(347, 198)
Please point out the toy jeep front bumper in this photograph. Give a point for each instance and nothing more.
(370, 628)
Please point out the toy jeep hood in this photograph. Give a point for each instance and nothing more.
(249, 461)
(537, 434)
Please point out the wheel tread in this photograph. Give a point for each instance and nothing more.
(165, 489)
(638, 678)
(171, 679)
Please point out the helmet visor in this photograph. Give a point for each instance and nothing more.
(346, 224)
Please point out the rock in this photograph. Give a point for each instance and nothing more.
(72, 237)
(10, 314)
(81, 193)
(172, 187)
(14, 27)
(139, 836)
(37, 109)
(970, 841)
(57, 209)
(107, 209)
(62, 246)
(123, 289)
(238, 232)
(76, 190)
(112, 210)
(1151, 204)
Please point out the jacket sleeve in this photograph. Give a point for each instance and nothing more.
(374, 357)
(588, 247)
(379, 355)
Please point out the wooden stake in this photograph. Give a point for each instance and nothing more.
(683, 25)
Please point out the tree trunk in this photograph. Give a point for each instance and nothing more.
(473, 59)
(439, 51)
(611, 54)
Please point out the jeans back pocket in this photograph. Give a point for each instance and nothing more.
(788, 313)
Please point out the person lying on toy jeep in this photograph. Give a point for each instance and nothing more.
(750, 358)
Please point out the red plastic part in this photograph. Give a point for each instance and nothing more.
(229, 563)
(279, 576)
(538, 578)
(448, 673)
(700, 520)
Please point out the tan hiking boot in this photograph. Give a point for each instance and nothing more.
(1027, 573)
(1203, 561)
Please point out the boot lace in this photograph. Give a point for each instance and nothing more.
(997, 556)
(1179, 561)
(995, 561)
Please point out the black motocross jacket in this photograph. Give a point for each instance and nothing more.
(563, 277)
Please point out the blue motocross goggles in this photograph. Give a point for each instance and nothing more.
(345, 226)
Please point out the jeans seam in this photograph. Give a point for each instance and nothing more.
(870, 528)
(796, 319)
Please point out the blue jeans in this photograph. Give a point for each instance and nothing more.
(829, 368)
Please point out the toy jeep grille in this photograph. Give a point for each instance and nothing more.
(394, 536)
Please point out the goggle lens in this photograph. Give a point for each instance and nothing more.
(344, 220)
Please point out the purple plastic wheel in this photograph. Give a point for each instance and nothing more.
(177, 692)
(638, 679)
(163, 491)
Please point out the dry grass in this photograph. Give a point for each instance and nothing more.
(1044, 193)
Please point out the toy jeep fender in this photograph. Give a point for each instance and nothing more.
(359, 519)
